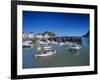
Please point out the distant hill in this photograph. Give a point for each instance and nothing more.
(87, 34)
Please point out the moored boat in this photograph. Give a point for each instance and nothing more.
(61, 43)
(44, 50)
(46, 53)
(27, 43)
(75, 47)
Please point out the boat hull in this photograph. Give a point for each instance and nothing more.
(46, 54)
(75, 48)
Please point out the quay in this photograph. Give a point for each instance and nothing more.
(66, 38)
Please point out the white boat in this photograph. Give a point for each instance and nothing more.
(44, 50)
(54, 42)
(75, 47)
(39, 48)
(61, 44)
(41, 42)
(26, 43)
(47, 47)
(68, 43)
(46, 53)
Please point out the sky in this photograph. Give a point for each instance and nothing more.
(62, 24)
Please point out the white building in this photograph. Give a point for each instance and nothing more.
(42, 36)
(28, 35)
(39, 36)
(46, 36)
(24, 35)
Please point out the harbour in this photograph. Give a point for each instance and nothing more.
(55, 39)
(63, 56)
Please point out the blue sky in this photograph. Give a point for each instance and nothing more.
(62, 24)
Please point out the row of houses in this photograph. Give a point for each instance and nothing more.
(28, 35)
(31, 35)
(42, 36)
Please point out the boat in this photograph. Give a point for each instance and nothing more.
(53, 42)
(46, 53)
(27, 43)
(39, 48)
(47, 47)
(68, 43)
(41, 42)
(61, 43)
(75, 47)
(44, 50)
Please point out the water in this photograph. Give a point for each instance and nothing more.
(62, 58)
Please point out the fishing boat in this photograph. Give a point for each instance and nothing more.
(68, 43)
(27, 43)
(44, 50)
(45, 53)
(75, 47)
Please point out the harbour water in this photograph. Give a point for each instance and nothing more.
(62, 58)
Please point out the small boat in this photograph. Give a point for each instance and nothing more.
(55, 43)
(75, 47)
(44, 50)
(27, 43)
(68, 43)
(46, 53)
(24, 44)
(41, 42)
(47, 47)
(39, 48)
(61, 44)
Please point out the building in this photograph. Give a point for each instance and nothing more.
(42, 36)
(39, 36)
(28, 35)
(31, 35)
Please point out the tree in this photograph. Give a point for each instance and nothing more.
(49, 33)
